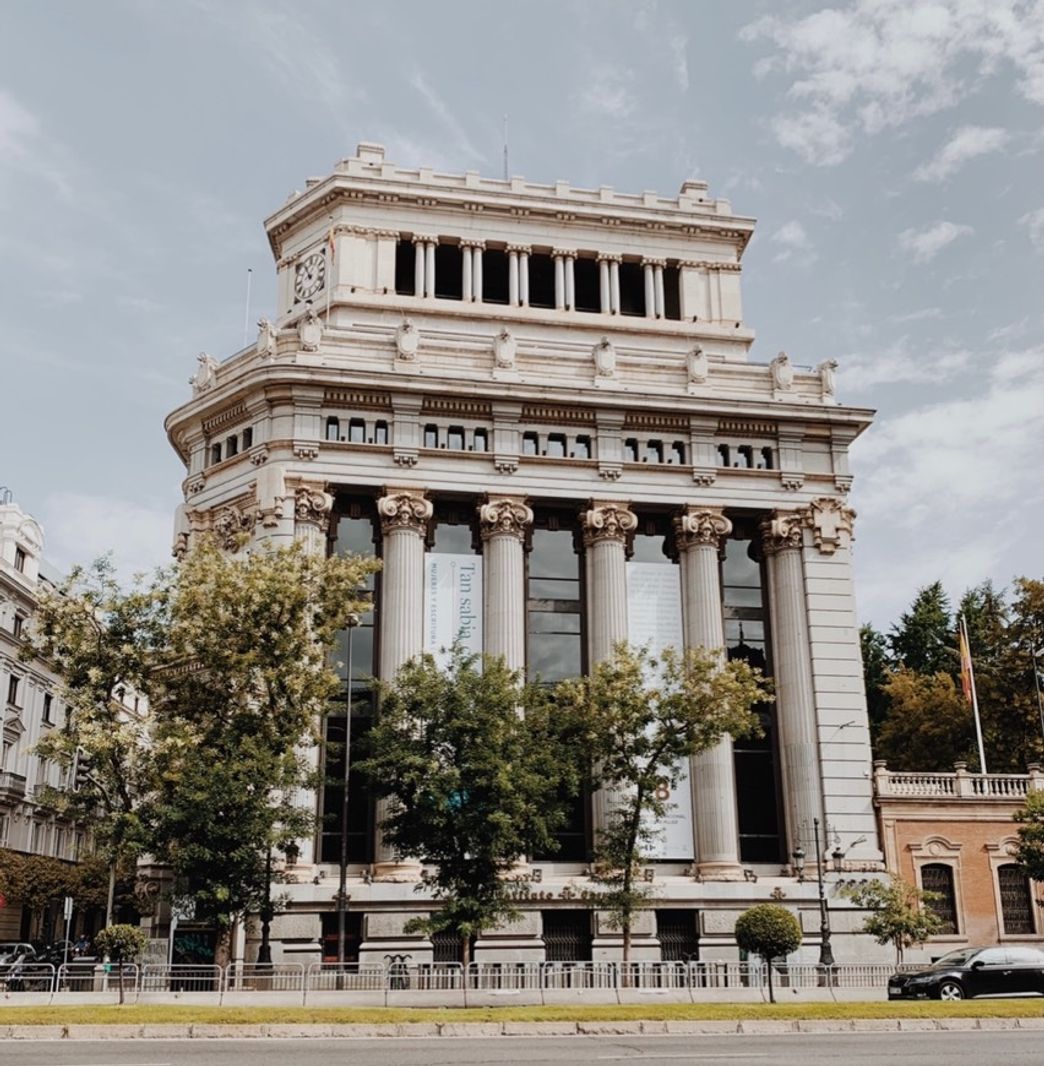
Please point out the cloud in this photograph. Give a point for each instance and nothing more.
(1034, 223)
(917, 316)
(609, 90)
(441, 110)
(899, 364)
(791, 233)
(926, 244)
(80, 527)
(25, 148)
(879, 63)
(968, 142)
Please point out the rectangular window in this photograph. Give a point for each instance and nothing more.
(631, 450)
(431, 436)
(672, 293)
(677, 453)
(555, 607)
(231, 446)
(455, 438)
(215, 453)
(541, 281)
(333, 428)
(582, 448)
(494, 276)
(357, 431)
(632, 289)
(248, 438)
(48, 706)
(449, 272)
(556, 445)
(4, 829)
(653, 451)
(937, 877)
(481, 441)
(530, 444)
(587, 284)
(405, 262)
(13, 684)
(19, 626)
(380, 433)
(567, 935)
(20, 560)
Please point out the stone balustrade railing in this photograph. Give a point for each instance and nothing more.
(959, 784)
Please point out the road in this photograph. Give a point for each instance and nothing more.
(796, 1049)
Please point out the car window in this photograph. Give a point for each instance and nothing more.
(1026, 956)
(992, 957)
(955, 958)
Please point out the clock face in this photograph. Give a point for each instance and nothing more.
(309, 276)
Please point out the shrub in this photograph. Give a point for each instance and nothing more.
(768, 930)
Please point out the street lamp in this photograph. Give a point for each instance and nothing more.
(342, 886)
(264, 952)
(826, 954)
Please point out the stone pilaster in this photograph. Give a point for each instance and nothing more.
(699, 533)
(606, 527)
(792, 658)
(404, 516)
(504, 522)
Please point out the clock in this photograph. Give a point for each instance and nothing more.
(309, 276)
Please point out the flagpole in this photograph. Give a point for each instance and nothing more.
(330, 256)
(974, 697)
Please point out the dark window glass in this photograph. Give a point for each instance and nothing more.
(766, 459)
(723, 455)
(455, 438)
(232, 446)
(215, 453)
(567, 935)
(405, 265)
(632, 289)
(541, 281)
(586, 284)
(653, 451)
(745, 460)
(1016, 901)
(19, 625)
(12, 690)
(494, 276)
(353, 928)
(582, 447)
(47, 707)
(481, 441)
(449, 272)
(248, 438)
(333, 429)
(453, 536)
(530, 444)
(360, 798)
(380, 433)
(20, 554)
(431, 436)
(671, 293)
(938, 877)
(556, 445)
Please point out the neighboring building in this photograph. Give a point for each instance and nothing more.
(31, 706)
(535, 403)
(953, 833)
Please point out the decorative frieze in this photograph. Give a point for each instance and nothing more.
(608, 521)
(231, 526)
(404, 509)
(504, 516)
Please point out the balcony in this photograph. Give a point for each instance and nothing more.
(12, 786)
(957, 785)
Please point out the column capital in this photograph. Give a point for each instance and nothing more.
(607, 521)
(312, 503)
(831, 523)
(474, 243)
(654, 261)
(404, 509)
(424, 238)
(609, 257)
(782, 531)
(563, 253)
(701, 525)
(521, 249)
(504, 516)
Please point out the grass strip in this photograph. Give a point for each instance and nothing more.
(164, 1014)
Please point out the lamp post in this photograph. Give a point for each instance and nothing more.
(342, 885)
(264, 951)
(826, 954)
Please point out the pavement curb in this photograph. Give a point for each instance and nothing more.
(457, 1030)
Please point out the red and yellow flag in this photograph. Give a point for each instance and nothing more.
(966, 663)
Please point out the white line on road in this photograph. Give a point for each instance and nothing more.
(689, 1057)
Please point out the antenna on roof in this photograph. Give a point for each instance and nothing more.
(505, 149)
(246, 313)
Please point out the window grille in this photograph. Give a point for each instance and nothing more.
(938, 877)
(1016, 901)
(567, 935)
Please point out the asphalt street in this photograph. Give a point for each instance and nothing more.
(797, 1049)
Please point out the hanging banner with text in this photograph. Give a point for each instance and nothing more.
(654, 620)
(452, 603)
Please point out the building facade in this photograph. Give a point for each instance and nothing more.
(32, 705)
(954, 834)
(536, 404)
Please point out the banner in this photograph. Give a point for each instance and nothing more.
(452, 603)
(654, 619)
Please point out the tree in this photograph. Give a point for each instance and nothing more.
(36, 881)
(100, 640)
(643, 717)
(770, 931)
(901, 913)
(929, 724)
(121, 944)
(876, 668)
(479, 768)
(1029, 852)
(244, 676)
(923, 640)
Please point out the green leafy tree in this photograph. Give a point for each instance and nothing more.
(35, 881)
(243, 680)
(644, 717)
(929, 724)
(1029, 852)
(924, 639)
(479, 768)
(121, 944)
(876, 668)
(100, 640)
(769, 931)
(901, 913)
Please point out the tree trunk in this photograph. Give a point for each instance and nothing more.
(223, 946)
(772, 994)
(110, 901)
(119, 978)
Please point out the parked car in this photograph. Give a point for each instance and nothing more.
(12, 952)
(1007, 971)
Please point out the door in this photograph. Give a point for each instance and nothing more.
(990, 973)
(1027, 970)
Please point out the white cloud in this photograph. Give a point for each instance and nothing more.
(80, 527)
(926, 244)
(968, 142)
(449, 121)
(1034, 223)
(879, 63)
(898, 364)
(609, 90)
(917, 316)
(26, 149)
(792, 234)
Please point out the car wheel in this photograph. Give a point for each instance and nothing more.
(950, 990)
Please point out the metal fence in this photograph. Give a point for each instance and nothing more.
(451, 978)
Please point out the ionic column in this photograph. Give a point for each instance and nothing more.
(559, 280)
(659, 291)
(606, 528)
(429, 266)
(699, 533)
(404, 515)
(792, 666)
(504, 521)
(523, 277)
(465, 272)
(418, 265)
(570, 282)
(512, 277)
(650, 289)
(476, 270)
(603, 285)
(312, 507)
(614, 285)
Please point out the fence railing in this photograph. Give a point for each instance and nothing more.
(478, 977)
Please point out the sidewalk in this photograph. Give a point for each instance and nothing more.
(427, 1030)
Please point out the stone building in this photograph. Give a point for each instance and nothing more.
(953, 833)
(536, 404)
(31, 707)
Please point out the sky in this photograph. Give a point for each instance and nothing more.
(891, 150)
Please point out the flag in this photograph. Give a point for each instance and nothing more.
(330, 245)
(966, 663)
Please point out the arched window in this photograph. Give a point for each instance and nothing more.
(938, 877)
(1016, 900)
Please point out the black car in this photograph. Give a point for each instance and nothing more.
(973, 972)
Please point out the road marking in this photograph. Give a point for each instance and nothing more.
(689, 1057)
